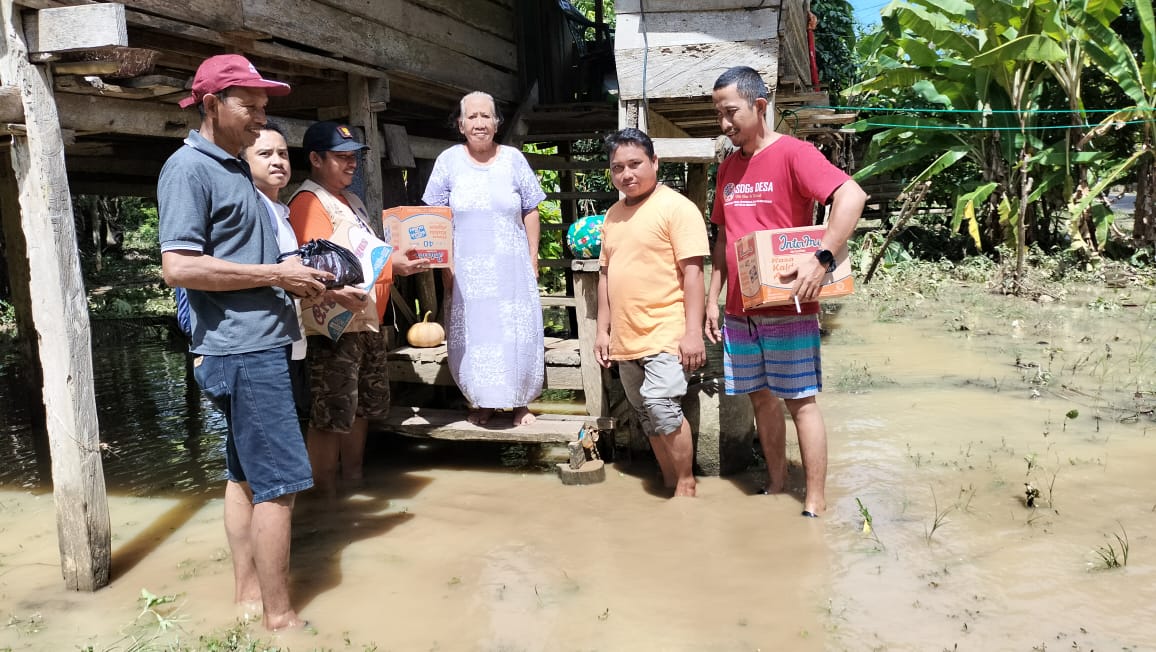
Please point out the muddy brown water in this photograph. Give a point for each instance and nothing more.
(939, 410)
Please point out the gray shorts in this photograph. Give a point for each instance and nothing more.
(655, 386)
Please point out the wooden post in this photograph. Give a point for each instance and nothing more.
(586, 309)
(60, 313)
(361, 114)
(697, 184)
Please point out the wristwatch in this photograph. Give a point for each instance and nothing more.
(827, 258)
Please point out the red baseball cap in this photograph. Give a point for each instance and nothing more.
(215, 74)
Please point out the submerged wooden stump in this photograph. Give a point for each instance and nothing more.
(591, 472)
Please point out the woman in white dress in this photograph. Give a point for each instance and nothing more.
(494, 334)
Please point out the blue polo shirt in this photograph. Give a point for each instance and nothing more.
(208, 204)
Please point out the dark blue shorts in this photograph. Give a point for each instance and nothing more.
(264, 446)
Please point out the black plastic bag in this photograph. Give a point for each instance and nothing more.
(329, 257)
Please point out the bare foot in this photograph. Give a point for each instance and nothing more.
(686, 488)
(480, 416)
(249, 610)
(285, 622)
(777, 483)
(523, 416)
(815, 508)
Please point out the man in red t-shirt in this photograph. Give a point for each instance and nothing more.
(772, 182)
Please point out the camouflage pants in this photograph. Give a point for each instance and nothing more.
(348, 379)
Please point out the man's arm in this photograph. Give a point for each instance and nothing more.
(196, 271)
(718, 275)
(533, 233)
(602, 340)
(847, 204)
(691, 350)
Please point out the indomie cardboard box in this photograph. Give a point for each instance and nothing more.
(422, 232)
(763, 255)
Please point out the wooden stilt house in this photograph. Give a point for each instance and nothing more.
(88, 105)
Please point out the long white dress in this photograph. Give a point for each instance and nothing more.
(494, 323)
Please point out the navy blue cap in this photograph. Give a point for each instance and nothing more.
(330, 137)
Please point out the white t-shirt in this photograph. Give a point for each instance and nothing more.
(286, 241)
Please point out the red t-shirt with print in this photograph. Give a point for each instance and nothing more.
(774, 189)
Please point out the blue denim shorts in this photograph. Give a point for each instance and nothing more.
(264, 445)
(655, 385)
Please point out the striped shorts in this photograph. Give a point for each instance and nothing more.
(776, 353)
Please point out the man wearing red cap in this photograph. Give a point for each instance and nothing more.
(218, 241)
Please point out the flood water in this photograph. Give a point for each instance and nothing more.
(939, 410)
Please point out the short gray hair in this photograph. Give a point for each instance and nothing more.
(457, 117)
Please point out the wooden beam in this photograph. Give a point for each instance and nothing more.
(685, 150)
(82, 27)
(693, 27)
(691, 70)
(658, 6)
(60, 313)
(697, 184)
(87, 114)
(549, 162)
(312, 23)
(266, 49)
(433, 27)
(362, 116)
(487, 16)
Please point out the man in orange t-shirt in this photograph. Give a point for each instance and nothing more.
(650, 300)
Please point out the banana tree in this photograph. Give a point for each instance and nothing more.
(985, 63)
(1137, 79)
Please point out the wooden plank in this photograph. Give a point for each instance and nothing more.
(433, 27)
(452, 424)
(689, 150)
(794, 48)
(311, 23)
(691, 70)
(97, 114)
(438, 373)
(398, 151)
(694, 27)
(494, 18)
(557, 302)
(83, 27)
(221, 15)
(60, 313)
(586, 309)
(424, 373)
(656, 6)
(218, 15)
(268, 50)
(549, 162)
(565, 377)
